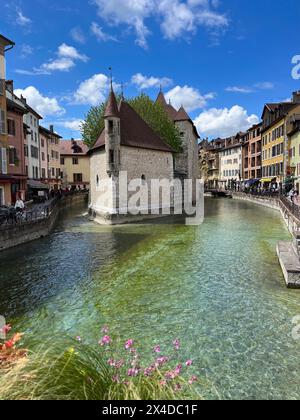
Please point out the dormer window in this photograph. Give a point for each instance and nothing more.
(110, 127)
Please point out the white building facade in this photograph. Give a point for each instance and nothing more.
(231, 164)
(32, 144)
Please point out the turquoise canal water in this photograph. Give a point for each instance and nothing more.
(218, 287)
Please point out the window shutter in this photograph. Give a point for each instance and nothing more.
(2, 122)
(4, 160)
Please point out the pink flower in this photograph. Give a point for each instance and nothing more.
(78, 338)
(111, 363)
(105, 329)
(116, 379)
(133, 372)
(177, 387)
(119, 364)
(129, 344)
(163, 383)
(6, 329)
(176, 344)
(170, 375)
(105, 341)
(157, 349)
(189, 363)
(178, 369)
(148, 371)
(127, 383)
(193, 379)
(161, 361)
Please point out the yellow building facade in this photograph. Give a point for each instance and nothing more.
(294, 150)
(273, 151)
(74, 164)
(275, 140)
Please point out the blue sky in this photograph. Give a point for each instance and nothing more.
(221, 59)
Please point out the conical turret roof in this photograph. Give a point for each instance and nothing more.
(112, 109)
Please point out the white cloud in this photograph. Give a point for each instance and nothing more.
(67, 57)
(92, 91)
(21, 19)
(59, 64)
(188, 97)
(65, 50)
(77, 35)
(265, 86)
(224, 122)
(259, 86)
(73, 124)
(237, 89)
(177, 17)
(42, 104)
(65, 61)
(144, 82)
(100, 35)
(26, 50)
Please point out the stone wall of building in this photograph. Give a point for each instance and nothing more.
(188, 160)
(100, 201)
(141, 164)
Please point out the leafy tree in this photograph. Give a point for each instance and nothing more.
(151, 112)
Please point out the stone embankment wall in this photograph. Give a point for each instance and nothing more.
(22, 233)
(293, 224)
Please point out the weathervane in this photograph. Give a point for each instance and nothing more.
(122, 90)
(111, 77)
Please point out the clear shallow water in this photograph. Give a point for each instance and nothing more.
(218, 287)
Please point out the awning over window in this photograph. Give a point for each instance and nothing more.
(252, 181)
(267, 180)
(37, 185)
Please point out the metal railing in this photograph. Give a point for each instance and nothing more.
(10, 218)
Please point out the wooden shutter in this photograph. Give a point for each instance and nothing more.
(2, 122)
(4, 160)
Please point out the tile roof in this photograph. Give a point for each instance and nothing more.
(182, 115)
(112, 106)
(174, 115)
(67, 147)
(135, 132)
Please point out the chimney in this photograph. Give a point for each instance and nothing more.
(23, 100)
(296, 97)
(10, 86)
(51, 128)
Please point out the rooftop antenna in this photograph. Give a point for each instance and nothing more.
(111, 78)
(160, 88)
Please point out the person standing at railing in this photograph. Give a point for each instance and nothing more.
(19, 206)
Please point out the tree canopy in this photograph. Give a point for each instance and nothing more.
(151, 112)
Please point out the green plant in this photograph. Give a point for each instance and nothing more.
(82, 372)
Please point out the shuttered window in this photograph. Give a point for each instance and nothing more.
(3, 161)
(2, 86)
(11, 127)
(2, 122)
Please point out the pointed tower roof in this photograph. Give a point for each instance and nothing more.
(182, 115)
(170, 110)
(112, 109)
(161, 98)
